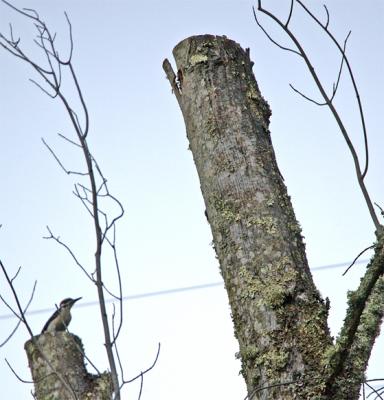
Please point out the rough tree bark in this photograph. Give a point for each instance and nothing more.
(56, 361)
(279, 317)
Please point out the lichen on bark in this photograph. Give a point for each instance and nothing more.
(56, 360)
(279, 316)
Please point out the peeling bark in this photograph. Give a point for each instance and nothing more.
(57, 364)
(279, 317)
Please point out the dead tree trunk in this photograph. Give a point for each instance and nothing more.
(279, 317)
(56, 361)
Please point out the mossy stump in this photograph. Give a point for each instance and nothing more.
(57, 365)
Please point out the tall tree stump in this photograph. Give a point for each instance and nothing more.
(279, 317)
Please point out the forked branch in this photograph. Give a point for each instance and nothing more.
(328, 99)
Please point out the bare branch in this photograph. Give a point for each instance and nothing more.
(80, 93)
(69, 140)
(10, 308)
(11, 334)
(70, 40)
(141, 385)
(68, 172)
(20, 314)
(357, 257)
(306, 97)
(17, 273)
(83, 199)
(267, 34)
(325, 26)
(115, 346)
(34, 17)
(14, 373)
(290, 13)
(374, 391)
(77, 262)
(355, 88)
(52, 96)
(120, 215)
(33, 12)
(380, 208)
(120, 296)
(42, 45)
(359, 173)
(148, 369)
(17, 52)
(15, 42)
(24, 311)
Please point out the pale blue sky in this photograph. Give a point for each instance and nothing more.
(138, 136)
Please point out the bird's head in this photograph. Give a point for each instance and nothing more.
(68, 302)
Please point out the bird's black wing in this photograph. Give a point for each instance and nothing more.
(53, 316)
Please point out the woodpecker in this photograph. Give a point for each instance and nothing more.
(61, 318)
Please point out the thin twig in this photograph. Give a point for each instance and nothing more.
(355, 88)
(69, 140)
(116, 348)
(17, 273)
(307, 97)
(148, 369)
(380, 208)
(378, 395)
(300, 51)
(24, 311)
(72, 254)
(268, 35)
(379, 390)
(336, 85)
(120, 299)
(327, 13)
(141, 385)
(19, 308)
(20, 11)
(52, 96)
(11, 334)
(81, 97)
(84, 200)
(17, 376)
(357, 257)
(290, 13)
(70, 40)
(68, 172)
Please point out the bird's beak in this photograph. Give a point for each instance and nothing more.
(74, 300)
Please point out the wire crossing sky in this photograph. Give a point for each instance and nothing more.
(170, 291)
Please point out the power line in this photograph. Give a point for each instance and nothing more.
(339, 265)
(170, 291)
